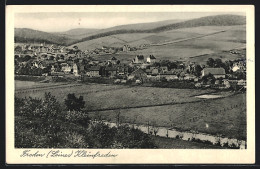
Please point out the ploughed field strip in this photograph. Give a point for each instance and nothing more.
(182, 40)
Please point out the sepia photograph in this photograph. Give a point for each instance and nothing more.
(141, 80)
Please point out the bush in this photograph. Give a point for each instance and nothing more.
(133, 138)
(100, 135)
(77, 117)
(74, 103)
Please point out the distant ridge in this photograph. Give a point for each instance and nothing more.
(26, 35)
(77, 31)
(80, 35)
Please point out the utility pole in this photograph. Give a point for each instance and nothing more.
(148, 127)
(118, 118)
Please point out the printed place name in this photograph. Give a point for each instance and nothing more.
(67, 154)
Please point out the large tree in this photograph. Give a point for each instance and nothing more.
(218, 63)
(18, 49)
(197, 70)
(210, 62)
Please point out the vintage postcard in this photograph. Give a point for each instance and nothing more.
(150, 84)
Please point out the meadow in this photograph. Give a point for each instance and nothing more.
(225, 116)
(186, 49)
(165, 107)
(223, 55)
(105, 96)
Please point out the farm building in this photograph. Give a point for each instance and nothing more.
(164, 69)
(138, 59)
(139, 74)
(94, 71)
(113, 60)
(169, 76)
(216, 72)
(75, 69)
(126, 48)
(239, 66)
(241, 82)
(122, 69)
(111, 71)
(189, 77)
(155, 71)
(57, 74)
(66, 68)
(150, 59)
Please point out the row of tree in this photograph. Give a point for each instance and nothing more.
(25, 70)
(217, 63)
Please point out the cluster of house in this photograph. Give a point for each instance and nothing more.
(239, 66)
(48, 52)
(73, 61)
(89, 68)
(157, 73)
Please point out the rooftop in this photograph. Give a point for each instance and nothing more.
(152, 57)
(140, 57)
(94, 68)
(111, 68)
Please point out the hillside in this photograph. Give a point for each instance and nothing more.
(25, 35)
(78, 33)
(183, 44)
(218, 20)
(142, 26)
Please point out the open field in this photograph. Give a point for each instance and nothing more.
(186, 49)
(165, 107)
(100, 96)
(232, 37)
(223, 55)
(225, 116)
(232, 33)
(208, 29)
(22, 85)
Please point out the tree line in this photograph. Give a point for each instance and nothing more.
(44, 123)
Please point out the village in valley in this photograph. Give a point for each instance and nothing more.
(172, 84)
(53, 61)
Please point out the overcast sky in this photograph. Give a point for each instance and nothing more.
(58, 22)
